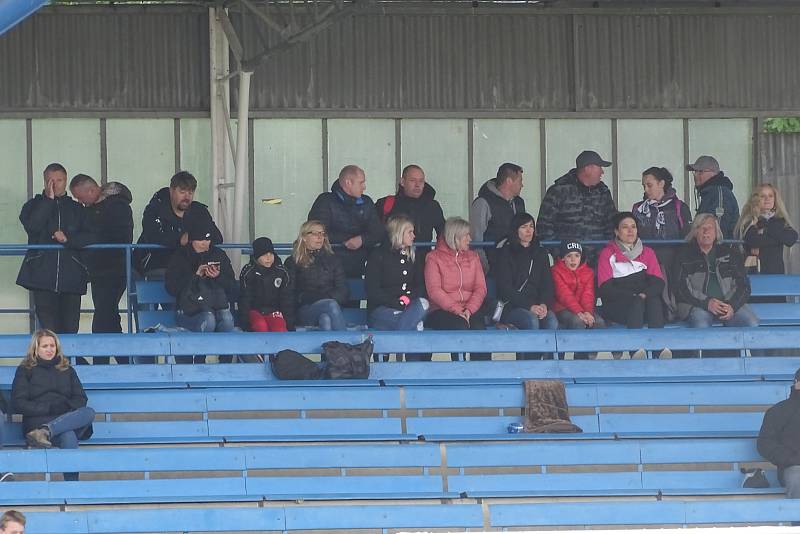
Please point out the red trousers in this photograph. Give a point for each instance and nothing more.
(270, 322)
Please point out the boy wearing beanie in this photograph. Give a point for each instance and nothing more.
(266, 302)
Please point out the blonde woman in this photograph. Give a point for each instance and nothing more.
(765, 229)
(319, 281)
(49, 395)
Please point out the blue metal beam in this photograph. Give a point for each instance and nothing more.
(12, 12)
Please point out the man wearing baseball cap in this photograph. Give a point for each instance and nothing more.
(714, 193)
(578, 206)
(779, 439)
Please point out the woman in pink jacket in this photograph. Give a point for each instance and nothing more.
(455, 283)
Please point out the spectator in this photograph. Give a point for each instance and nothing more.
(111, 220)
(456, 283)
(661, 214)
(578, 206)
(524, 284)
(711, 282)
(491, 212)
(320, 285)
(12, 522)
(199, 275)
(765, 229)
(779, 436)
(415, 198)
(56, 277)
(49, 395)
(163, 224)
(629, 278)
(4, 476)
(395, 280)
(349, 218)
(574, 303)
(266, 292)
(714, 192)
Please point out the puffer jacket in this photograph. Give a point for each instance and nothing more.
(618, 277)
(58, 270)
(266, 290)
(390, 275)
(716, 197)
(691, 277)
(572, 211)
(43, 392)
(454, 280)
(345, 217)
(324, 278)
(112, 219)
(182, 270)
(160, 226)
(769, 236)
(523, 275)
(780, 433)
(425, 212)
(574, 290)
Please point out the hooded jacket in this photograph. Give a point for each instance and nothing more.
(111, 219)
(265, 290)
(775, 234)
(324, 278)
(425, 212)
(345, 217)
(572, 211)
(619, 277)
(691, 277)
(57, 270)
(454, 280)
(574, 290)
(182, 269)
(523, 275)
(390, 275)
(779, 437)
(43, 392)
(160, 226)
(716, 197)
(490, 217)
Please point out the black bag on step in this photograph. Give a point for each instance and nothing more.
(344, 360)
(291, 365)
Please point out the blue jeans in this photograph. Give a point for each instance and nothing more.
(65, 429)
(527, 320)
(216, 321)
(324, 313)
(791, 481)
(386, 318)
(744, 316)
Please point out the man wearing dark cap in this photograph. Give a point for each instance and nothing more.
(714, 193)
(578, 206)
(779, 439)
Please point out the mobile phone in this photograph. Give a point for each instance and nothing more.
(213, 264)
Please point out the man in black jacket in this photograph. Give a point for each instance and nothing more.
(779, 439)
(110, 217)
(350, 219)
(714, 193)
(416, 200)
(56, 277)
(163, 224)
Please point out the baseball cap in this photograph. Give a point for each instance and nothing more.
(704, 163)
(590, 157)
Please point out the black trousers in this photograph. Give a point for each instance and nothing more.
(444, 320)
(106, 294)
(634, 311)
(59, 312)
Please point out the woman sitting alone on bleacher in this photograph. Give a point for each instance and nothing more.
(266, 295)
(629, 278)
(320, 286)
(200, 276)
(395, 281)
(49, 395)
(710, 278)
(455, 282)
(764, 227)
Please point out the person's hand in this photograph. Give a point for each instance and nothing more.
(184, 239)
(212, 271)
(60, 236)
(642, 296)
(587, 318)
(465, 314)
(354, 243)
(202, 270)
(404, 300)
(728, 315)
(48, 190)
(717, 307)
(539, 310)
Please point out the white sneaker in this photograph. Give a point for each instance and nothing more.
(639, 354)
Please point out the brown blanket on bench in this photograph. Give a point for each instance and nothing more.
(546, 407)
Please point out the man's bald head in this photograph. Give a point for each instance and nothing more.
(353, 180)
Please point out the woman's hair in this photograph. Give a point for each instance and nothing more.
(30, 356)
(300, 253)
(699, 221)
(752, 210)
(454, 228)
(518, 220)
(661, 174)
(11, 515)
(621, 216)
(396, 227)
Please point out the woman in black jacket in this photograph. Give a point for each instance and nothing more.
(319, 282)
(49, 395)
(266, 292)
(764, 227)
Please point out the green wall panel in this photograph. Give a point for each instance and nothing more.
(566, 138)
(439, 146)
(368, 143)
(196, 155)
(75, 143)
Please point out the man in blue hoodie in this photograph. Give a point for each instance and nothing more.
(714, 193)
